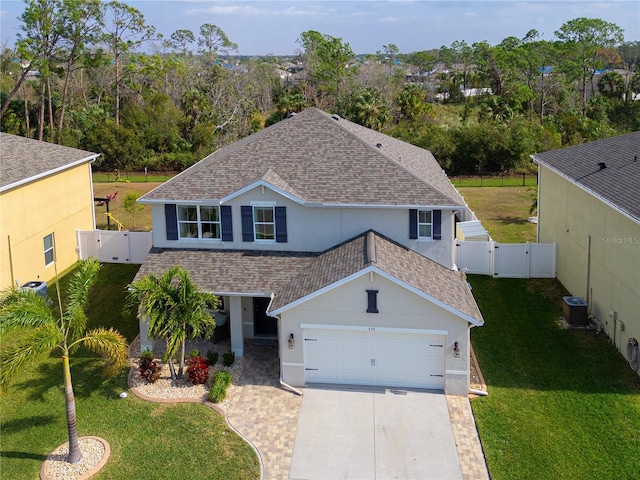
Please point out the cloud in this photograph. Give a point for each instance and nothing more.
(250, 10)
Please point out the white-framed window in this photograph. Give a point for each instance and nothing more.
(199, 221)
(425, 224)
(48, 249)
(264, 223)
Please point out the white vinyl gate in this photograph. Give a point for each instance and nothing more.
(110, 246)
(507, 260)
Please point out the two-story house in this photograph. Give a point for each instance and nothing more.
(333, 238)
(46, 196)
(589, 204)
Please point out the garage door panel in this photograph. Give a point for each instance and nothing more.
(374, 358)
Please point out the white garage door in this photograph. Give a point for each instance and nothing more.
(395, 359)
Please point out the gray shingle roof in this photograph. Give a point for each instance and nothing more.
(373, 249)
(319, 160)
(294, 275)
(23, 159)
(229, 271)
(618, 183)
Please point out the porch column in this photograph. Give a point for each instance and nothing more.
(145, 342)
(235, 319)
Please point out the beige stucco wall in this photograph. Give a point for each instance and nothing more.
(315, 229)
(59, 204)
(398, 308)
(598, 253)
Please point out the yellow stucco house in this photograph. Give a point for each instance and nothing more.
(589, 204)
(46, 195)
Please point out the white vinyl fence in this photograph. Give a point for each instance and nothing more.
(508, 260)
(110, 246)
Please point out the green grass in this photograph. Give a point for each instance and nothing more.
(561, 404)
(503, 212)
(143, 218)
(125, 177)
(148, 440)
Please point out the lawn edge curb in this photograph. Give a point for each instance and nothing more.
(91, 472)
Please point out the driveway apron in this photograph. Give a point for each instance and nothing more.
(374, 433)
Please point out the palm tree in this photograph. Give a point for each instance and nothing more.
(48, 330)
(175, 309)
(370, 110)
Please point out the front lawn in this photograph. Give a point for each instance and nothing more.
(561, 404)
(148, 440)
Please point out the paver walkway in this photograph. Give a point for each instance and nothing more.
(264, 413)
(267, 416)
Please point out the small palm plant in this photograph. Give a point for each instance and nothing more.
(175, 308)
(63, 331)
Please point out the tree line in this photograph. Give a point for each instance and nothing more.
(96, 76)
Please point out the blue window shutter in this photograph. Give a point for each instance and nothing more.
(372, 301)
(413, 223)
(246, 212)
(281, 224)
(437, 224)
(226, 223)
(171, 221)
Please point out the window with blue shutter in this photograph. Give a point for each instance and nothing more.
(171, 221)
(246, 213)
(413, 224)
(227, 223)
(281, 224)
(437, 224)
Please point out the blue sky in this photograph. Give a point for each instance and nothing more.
(267, 26)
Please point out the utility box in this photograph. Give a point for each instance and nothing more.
(574, 311)
(40, 288)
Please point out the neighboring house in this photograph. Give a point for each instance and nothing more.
(589, 204)
(46, 195)
(333, 239)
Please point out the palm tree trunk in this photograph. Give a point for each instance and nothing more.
(181, 368)
(75, 455)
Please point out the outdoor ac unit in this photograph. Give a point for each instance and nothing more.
(40, 288)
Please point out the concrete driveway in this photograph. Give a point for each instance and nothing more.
(373, 433)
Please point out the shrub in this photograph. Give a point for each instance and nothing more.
(198, 370)
(217, 393)
(195, 353)
(223, 377)
(218, 390)
(212, 357)
(149, 367)
(228, 359)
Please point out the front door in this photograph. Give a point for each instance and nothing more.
(263, 324)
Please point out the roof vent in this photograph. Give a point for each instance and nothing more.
(292, 114)
(379, 145)
(335, 116)
(602, 165)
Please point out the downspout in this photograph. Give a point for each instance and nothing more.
(282, 382)
(588, 292)
(289, 387)
(13, 277)
(480, 393)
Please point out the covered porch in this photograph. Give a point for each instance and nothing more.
(244, 280)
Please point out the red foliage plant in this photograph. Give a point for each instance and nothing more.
(198, 370)
(149, 369)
